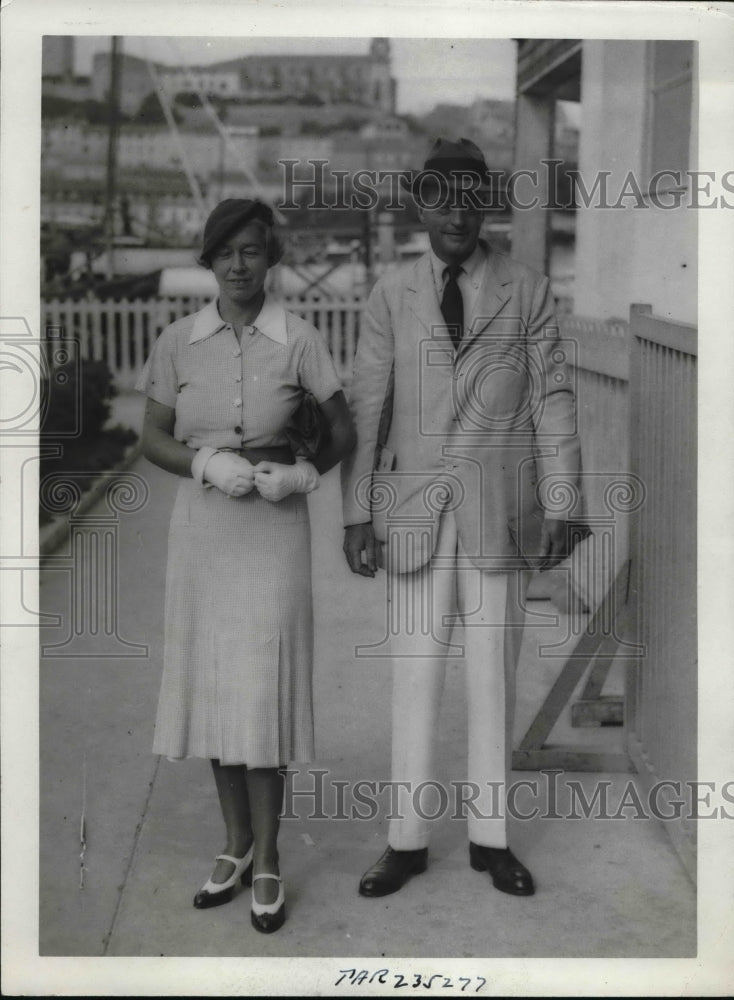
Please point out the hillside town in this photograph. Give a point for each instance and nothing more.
(133, 159)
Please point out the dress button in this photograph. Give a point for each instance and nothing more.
(238, 430)
(238, 378)
(237, 402)
(236, 353)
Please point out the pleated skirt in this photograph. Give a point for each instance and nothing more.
(238, 660)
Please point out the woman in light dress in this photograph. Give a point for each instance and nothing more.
(223, 385)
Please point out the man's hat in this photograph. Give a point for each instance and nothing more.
(461, 161)
(226, 218)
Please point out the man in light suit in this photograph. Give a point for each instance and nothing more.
(466, 458)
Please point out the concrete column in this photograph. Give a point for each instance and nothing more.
(531, 227)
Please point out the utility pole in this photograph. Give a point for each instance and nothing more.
(111, 193)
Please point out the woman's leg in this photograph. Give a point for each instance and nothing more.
(265, 786)
(232, 786)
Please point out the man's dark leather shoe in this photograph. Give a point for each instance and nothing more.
(508, 874)
(392, 871)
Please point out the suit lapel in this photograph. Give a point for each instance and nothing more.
(495, 290)
(422, 297)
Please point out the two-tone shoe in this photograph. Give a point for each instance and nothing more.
(216, 893)
(268, 917)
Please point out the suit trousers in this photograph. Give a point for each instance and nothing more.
(423, 607)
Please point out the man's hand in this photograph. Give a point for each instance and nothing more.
(553, 543)
(359, 539)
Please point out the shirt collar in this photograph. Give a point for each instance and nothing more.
(471, 266)
(206, 322)
(270, 321)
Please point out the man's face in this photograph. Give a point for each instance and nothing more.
(453, 225)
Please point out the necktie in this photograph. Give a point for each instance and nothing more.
(452, 305)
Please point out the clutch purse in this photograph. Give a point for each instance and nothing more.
(307, 432)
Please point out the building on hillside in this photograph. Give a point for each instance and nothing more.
(208, 80)
(384, 146)
(350, 79)
(491, 125)
(76, 148)
(152, 205)
(328, 79)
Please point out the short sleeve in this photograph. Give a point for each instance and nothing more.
(316, 372)
(158, 379)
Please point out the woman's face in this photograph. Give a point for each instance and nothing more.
(240, 264)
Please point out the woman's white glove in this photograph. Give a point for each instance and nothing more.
(230, 473)
(275, 481)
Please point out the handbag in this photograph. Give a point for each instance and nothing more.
(308, 431)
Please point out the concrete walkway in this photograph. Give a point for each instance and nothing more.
(606, 888)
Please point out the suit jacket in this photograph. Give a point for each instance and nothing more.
(488, 431)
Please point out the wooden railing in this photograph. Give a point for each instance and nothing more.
(662, 683)
(121, 333)
(596, 574)
(602, 406)
(636, 394)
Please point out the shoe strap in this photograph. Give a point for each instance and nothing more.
(231, 858)
(276, 877)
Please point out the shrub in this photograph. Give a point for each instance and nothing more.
(76, 405)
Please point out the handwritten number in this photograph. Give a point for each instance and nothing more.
(356, 978)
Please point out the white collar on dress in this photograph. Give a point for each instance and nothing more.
(270, 321)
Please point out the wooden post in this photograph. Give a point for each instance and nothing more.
(635, 583)
(111, 193)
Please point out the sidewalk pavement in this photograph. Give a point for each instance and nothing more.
(605, 888)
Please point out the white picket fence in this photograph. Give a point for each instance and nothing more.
(121, 333)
